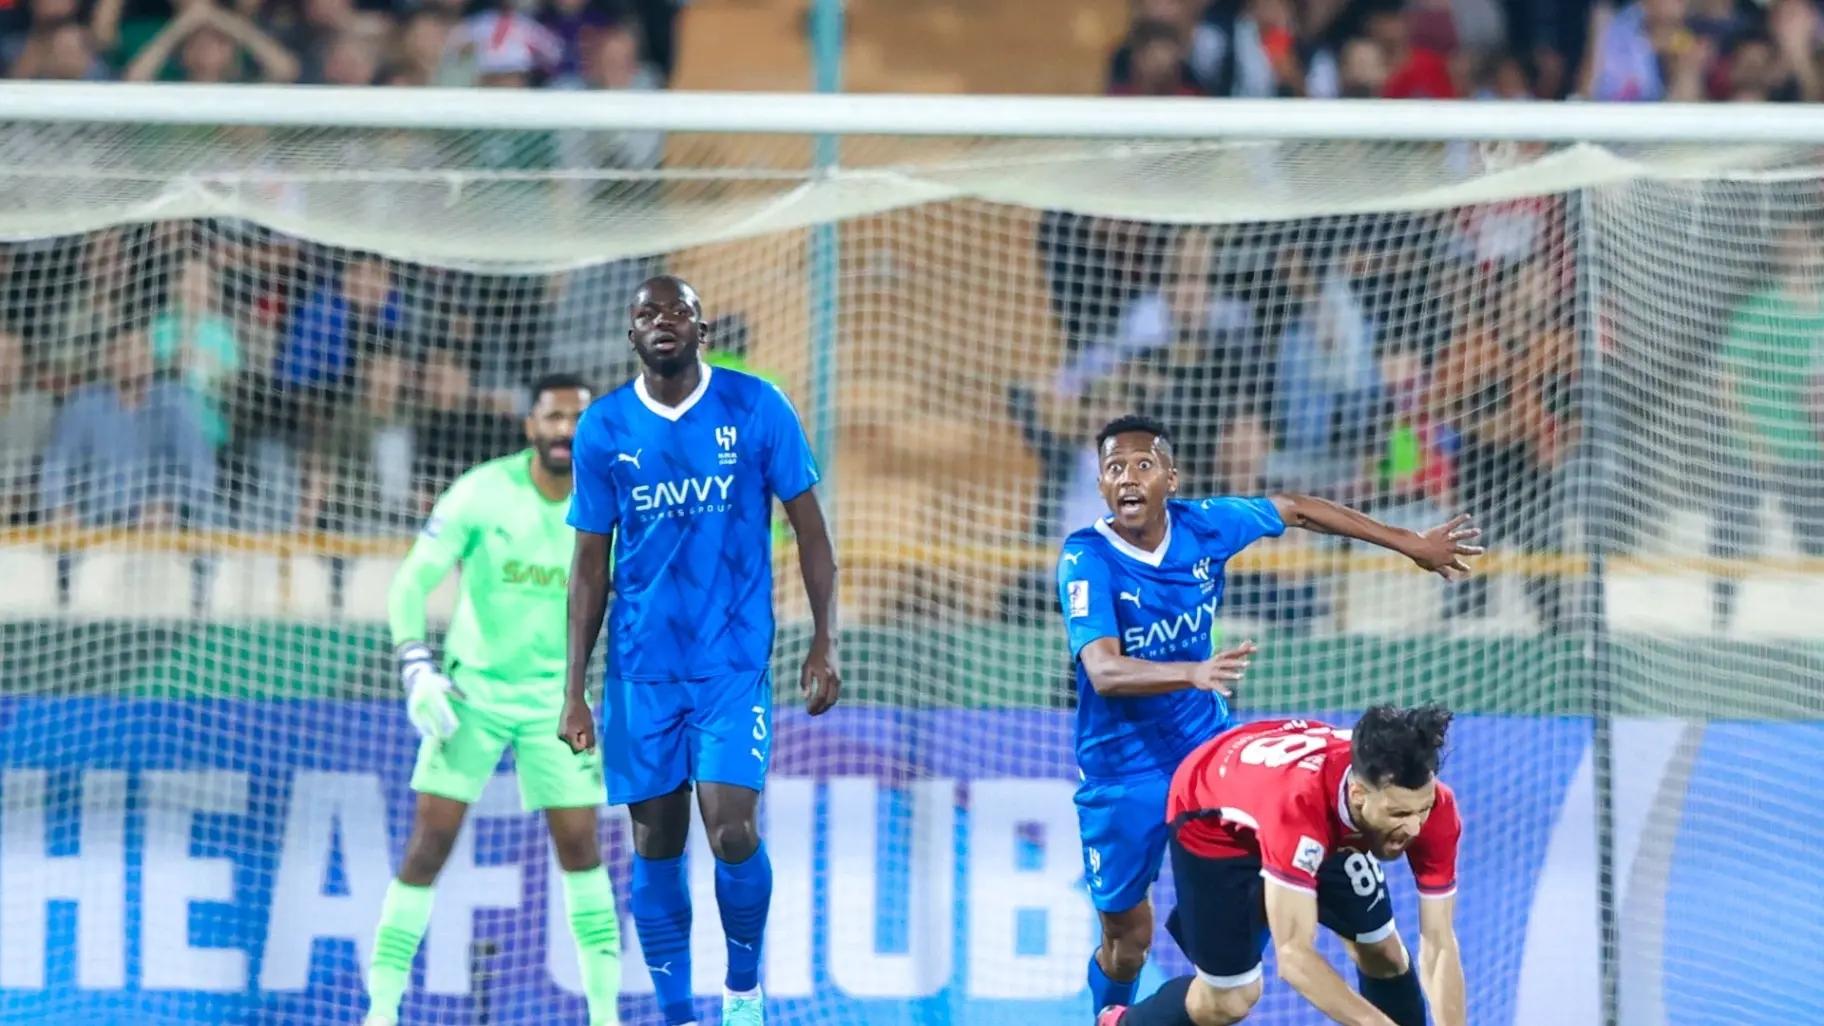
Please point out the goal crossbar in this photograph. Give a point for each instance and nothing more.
(1029, 117)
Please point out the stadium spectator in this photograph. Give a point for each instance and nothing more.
(576, 24)
(503, 48)
(456, 428)
(1205, 362)
(419, 49)
(1415, 72)
(352, 59)
(55, 43)
(212, 46)
(357, 469)
(61, 52)
(581, 301)
(26, 416)
(1503, 388)
(105, 295)
(1157, 64)
(611, 61)
(1773, 394)
(130, 450)
(1779, 67)
(1328, 383)
(1645, 52)
(1199, 42)
(341, 326)
(1500, 76)
(196, 344)
(1361, 71)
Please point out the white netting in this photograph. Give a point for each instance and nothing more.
(205, 758)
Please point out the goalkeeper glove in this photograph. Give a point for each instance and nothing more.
(428, 692)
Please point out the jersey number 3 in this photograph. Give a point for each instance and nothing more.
(1276, 750)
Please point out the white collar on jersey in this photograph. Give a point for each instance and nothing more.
(1135, 552)
(1342, 804)
(673, 413)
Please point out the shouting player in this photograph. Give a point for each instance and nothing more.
(677, 470)
(1282, 825)
(501, 684)
(1140, 590)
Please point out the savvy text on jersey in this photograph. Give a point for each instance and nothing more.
(1171, 633)
(709, 493)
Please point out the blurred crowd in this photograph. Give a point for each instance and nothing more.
(222, 374)
(1678, 50)
(216, 374)
(554, 44)
(1424, 363)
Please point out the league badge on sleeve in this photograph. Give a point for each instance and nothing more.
(1079, 598)
(1309, 855)
(433, 527)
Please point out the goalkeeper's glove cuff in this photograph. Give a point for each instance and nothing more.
(414, 658)
(414, 652)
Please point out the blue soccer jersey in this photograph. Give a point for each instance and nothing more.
(687, 491)
(1161, 605)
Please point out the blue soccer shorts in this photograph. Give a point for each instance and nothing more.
(1122, 822)
(658, 734)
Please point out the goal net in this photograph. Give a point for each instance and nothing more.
(1609, 356)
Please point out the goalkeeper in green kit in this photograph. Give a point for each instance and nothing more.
(501, 684)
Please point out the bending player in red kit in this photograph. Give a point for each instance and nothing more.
(1282, 825)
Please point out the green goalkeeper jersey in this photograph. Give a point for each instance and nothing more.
(515, 549)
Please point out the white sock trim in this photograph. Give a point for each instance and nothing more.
(738, 994)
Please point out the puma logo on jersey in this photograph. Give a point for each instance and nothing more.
(1072, 557)
(621, 457)
(1131, 596)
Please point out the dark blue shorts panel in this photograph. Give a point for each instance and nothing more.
(1220, 921)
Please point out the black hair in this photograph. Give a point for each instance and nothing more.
(1135, 423)
(1399, 747)
(1149, 31)
(559, 382)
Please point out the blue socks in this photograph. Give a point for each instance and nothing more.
(744, 891)
(661, 912)
(1399, 998)
(1104, 991)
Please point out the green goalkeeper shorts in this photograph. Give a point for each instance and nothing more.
(551, 776)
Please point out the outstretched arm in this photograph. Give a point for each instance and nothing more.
(1439, 550)
(1292, 918)
(1441, 961)
(821, 681)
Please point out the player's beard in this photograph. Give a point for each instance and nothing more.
(555, 466)
(669, 365)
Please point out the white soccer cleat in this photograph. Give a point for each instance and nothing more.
(747, 1009)
(379, 1020)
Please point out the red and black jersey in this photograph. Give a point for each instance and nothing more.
(1278, 791)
